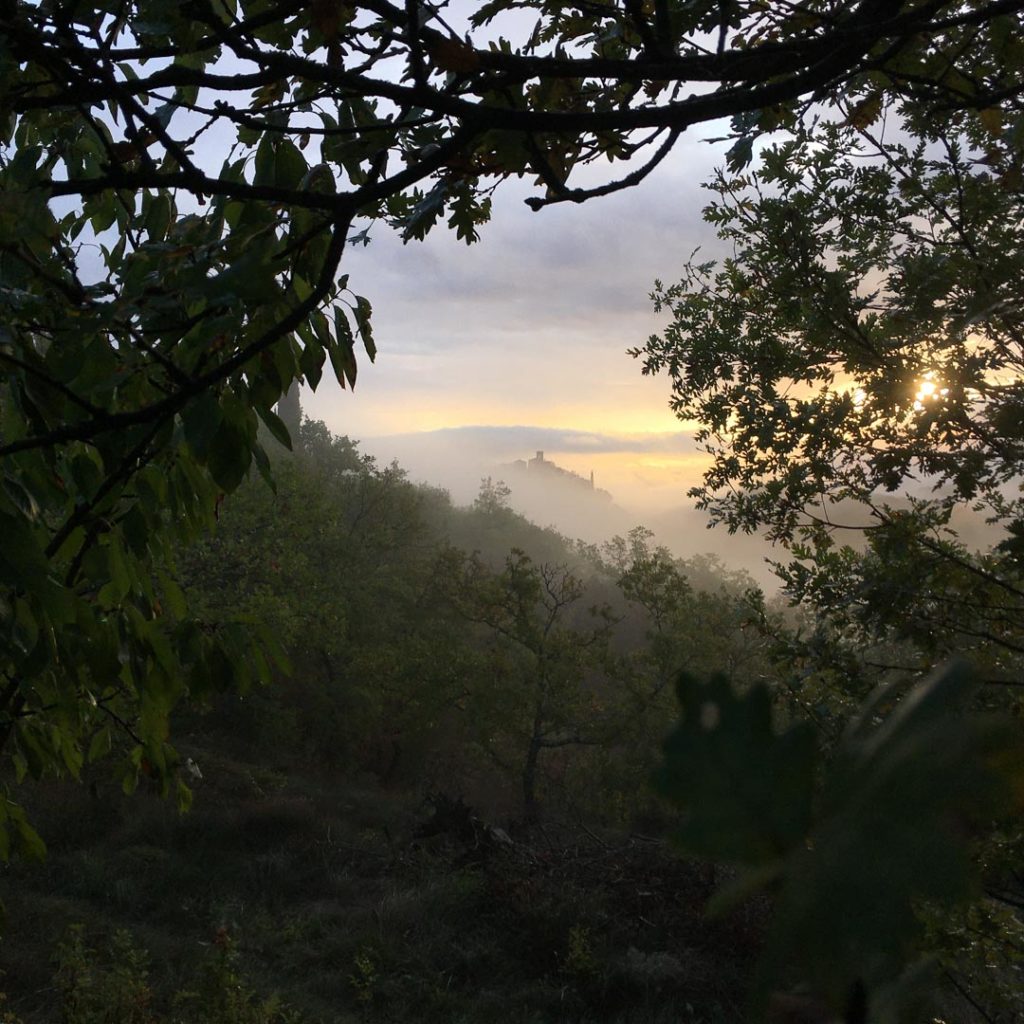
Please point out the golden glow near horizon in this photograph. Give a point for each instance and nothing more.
(404, 413)
(658, 478)
(642, 414)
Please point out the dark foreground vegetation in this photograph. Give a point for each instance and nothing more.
(443, 809)
(278, 892)
(443, 813)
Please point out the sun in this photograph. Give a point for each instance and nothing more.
(929, 389)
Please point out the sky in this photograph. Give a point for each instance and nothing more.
(518, 342)
(491, 352)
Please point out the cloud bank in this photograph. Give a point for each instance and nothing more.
(521, 440)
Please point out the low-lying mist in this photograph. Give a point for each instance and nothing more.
(637, 482)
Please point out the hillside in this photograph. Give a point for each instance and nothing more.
(343, 901)
(437, 805)
(360, 845)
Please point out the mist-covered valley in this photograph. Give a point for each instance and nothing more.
(420, 785)
(628, 490)
(639, 481)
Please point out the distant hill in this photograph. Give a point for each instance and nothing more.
(459, 459)
(546, 475)
(550, 495)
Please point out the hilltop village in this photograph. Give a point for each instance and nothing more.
(544, 471)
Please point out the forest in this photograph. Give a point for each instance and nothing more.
(287, 736)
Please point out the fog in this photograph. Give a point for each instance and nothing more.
(518, 344)
(489, 354)
(639, 480)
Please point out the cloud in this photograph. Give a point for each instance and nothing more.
(530, 325)
(522, 441)
(568, 265)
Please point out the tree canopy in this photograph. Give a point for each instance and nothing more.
(856, 364)
(179, 186)
(855, 361)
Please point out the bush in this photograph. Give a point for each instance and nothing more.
(110, 984)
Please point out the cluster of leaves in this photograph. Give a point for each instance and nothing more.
(867, 328)
(856, 364)
(337, 563)
(890, 831)
(857, 367)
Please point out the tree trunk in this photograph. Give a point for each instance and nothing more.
(530, 807)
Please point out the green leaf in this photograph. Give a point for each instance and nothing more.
(201, 420)
(263, 465)
(290, 165)
(119, 576)
(71, 753)
(276, 426)
(424, 213)
(867, 110)
(31, 843)
(173, 595)
(99, 745)
(364, 315)
(343, 357)
(892, 830)
(13, 822)
(311, 362)
(229, 456)
(164, 113)
(265, 172)
(23, 499)
(740, 154)
(744, 790)
(158, 217)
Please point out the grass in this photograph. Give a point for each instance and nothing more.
(331, 902)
